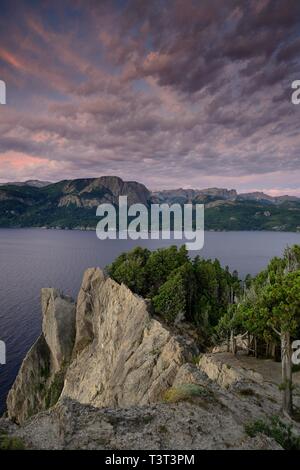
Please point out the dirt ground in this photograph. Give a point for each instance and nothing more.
(269, 369)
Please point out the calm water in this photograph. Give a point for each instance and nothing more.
(33, 258)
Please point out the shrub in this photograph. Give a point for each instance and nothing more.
(278, 430)
(10, 443)
(185, 392)
(55, 390)
(196, 359)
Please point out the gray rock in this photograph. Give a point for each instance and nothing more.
(113, 354)
(40, 379)
(58, 326)
(122, 355)
(183, 425)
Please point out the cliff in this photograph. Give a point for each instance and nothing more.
(105, 374)
(38, 383)
(105, 351)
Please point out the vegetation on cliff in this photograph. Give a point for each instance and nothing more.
(196, 290)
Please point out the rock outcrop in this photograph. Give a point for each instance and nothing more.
(89, 193)
(39, 381)
(225, 375)
(58, 326)
(211, 418)
(106, 374)
(128, 357)
(111, 353)
(184, 425)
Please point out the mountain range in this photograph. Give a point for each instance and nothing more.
(72, 204)
(34, 183)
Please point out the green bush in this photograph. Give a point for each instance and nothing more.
(185, 392)
(278, 430)
(10, 443)
(55, 390)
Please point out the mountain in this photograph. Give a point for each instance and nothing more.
(106, 374)
(72, 204)
(66, 204)
(261, 197)
(33, 183)
(185, 196)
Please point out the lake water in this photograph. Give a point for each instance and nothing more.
(35, 258)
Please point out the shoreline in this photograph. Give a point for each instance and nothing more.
(94, 230)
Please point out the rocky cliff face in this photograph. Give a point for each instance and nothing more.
(110, 353)
(40, 378)
(106, 189)
(128, 357)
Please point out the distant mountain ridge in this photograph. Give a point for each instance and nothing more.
(72, 204)
(191, 195)
(33, 183)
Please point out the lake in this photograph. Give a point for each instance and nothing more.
(36, 258)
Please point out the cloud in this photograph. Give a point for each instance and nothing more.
(171, 93)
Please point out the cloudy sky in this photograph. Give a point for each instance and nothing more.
(171, 93)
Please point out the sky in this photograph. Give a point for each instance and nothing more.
(170, 93)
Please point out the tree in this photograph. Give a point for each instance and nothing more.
(170, 301)
(161, 263)
(280, 309)
(130, 269)
(292, 258)
(216, 289)
(269, 311)
(200, 290)
(224, 328)
(229, 325)
(247, 281)
(275, 310)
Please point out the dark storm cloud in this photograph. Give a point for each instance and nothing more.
(194, 41)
